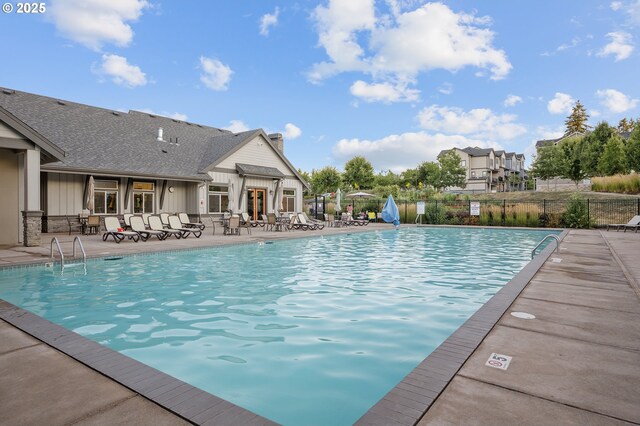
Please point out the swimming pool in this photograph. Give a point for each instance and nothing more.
(309, 331)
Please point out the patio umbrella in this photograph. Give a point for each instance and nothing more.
(338, 199)
(390, 212)
(360, 195)
(230, 194)
(91, 188)
(278, 197)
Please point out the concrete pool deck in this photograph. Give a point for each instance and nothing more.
(577, 362)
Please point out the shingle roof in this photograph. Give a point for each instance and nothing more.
(476, 151)
(253, 170)
(113, 142)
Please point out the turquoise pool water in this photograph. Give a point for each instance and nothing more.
(304, 332)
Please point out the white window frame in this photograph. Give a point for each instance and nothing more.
(219, 192)
(101, 195)
(146, 192)
(289, 199)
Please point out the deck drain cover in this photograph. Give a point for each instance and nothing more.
(523, 315)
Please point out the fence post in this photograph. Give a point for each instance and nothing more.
(504, 212)
(638, 205)
(544, 212)
(405, 211)
(588, 214)
(469, 210)
(436, 215)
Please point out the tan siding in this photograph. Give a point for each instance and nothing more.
(10, 216)
(8, 132)
(64, 194)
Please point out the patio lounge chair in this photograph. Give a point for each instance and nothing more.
(137, 225)
(155, 223)
(298, 221)
(176, 224)
(145, 219)
(184, 218)
(634, 223)
(318, 224)
(114, 229)
(127, 220)
(164, 217)
(246, 222)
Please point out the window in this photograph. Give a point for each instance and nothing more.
(289, 200)
(143, 193)
(491, 163)
(218, 198)
(463, 163)
(105, 197)
(484, 173)
(473, 174)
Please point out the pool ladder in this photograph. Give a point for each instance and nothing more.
(77, 240)
(533, 252)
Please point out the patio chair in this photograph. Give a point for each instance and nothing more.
(114, 229)
(127, 220)
(137, 225)
(232, 226)
(184, 218)
(176, 224)
(93, 224)
(299, 222)
(245, 222)
(155, 223)
(633, 223)
(75, 223)
(271, 221)
(371, 216)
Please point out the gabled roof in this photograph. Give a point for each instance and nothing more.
(107, 142)
(545, 142)
(260, 171)
(477, 151)
(499, 153)
(50, 150)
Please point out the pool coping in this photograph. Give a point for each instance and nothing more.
(409, 400)
(174, 395)
(405, 404)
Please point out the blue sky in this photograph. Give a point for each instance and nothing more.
(393, 80)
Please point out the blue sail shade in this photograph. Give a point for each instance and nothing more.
(390, 212)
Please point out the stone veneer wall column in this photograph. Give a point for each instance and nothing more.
(32, 221)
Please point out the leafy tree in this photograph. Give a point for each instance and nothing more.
(386, 179)
(549, 163)
(451, 172)
(358, 173)
(429, 173)
(577, 121)
(593, 147)
(327, 179)
(613, 160)
(625, 125)
(409, 178)
(633, 150)
(571, 160)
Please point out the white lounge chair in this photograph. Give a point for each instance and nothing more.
(634, 223)
(155, 223)
(176, 224)
(184, 218)
(137, 225)
(114, 229)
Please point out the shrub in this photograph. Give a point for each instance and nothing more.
(577, 214)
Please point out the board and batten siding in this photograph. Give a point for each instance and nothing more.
(64, 194)
(10, 216)
(257, 152)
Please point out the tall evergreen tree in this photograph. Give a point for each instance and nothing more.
(626, 125)
(577, 121)
(613, 160)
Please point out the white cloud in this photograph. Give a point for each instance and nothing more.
(237, 126)
(121, 72)
(404, 44)
(512, 100)
(400, 152)
(630, 8)
(173, 115)
(479, 123)
(96, 22)
(561, 104)
(615, 5)
(383, 92)
(269, 20)
(446, 88)
(616, 101)
(621, 45)
(291, 131)
(215, 75)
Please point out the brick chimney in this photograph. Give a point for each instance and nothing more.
(278, 141)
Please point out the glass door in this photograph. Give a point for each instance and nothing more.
(256, 203)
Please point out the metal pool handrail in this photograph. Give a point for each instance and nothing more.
(545, 239)
(55, 240)
(84, 255)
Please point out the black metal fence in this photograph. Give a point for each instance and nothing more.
(542, 213)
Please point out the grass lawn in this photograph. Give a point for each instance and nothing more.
(552, 195)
